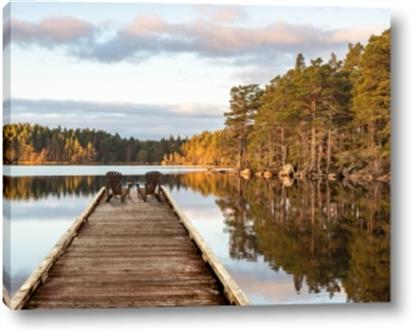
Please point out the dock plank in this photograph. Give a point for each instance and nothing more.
(129, 254)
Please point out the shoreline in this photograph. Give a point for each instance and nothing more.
(98, 170)
(356, 178)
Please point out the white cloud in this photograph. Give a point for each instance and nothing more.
(209, 37)
(51, 31)
(222, 14)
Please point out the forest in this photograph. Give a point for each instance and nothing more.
(322, 118)
(34, 144)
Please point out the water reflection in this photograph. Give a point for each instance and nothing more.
(318, 238)
(326, 235)
(41, 187)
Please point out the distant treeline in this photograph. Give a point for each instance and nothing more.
(25, 143)
(322, 118)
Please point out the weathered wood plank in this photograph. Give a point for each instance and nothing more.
(126, 281)
(148, 291)
(128, 302)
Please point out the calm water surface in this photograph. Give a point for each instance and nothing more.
(308, 243)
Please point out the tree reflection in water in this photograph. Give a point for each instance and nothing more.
(40, 187)
(326, 235)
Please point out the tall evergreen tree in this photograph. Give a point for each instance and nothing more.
(371, 103)
(244, 102)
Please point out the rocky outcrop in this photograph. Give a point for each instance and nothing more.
(286, 171)
(332, 176)
(268, 174)
(246, 173)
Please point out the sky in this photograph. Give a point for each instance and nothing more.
(154, 70)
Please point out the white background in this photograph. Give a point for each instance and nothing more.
(397, 316)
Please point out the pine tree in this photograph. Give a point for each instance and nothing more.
(244, 102)
(299, 62)
(371, 103)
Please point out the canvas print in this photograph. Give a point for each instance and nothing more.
(195, 155)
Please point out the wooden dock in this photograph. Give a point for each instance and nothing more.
(131, 254)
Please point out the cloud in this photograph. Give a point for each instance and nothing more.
(149, 36)
(51, 32)
(229, 15)
(128, 119)
(222, 14)
(211, 37)
(44, 106)
(353, 35)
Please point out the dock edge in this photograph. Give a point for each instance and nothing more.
(232, 291)
(40, 274)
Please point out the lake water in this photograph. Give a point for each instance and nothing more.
(308, 243)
